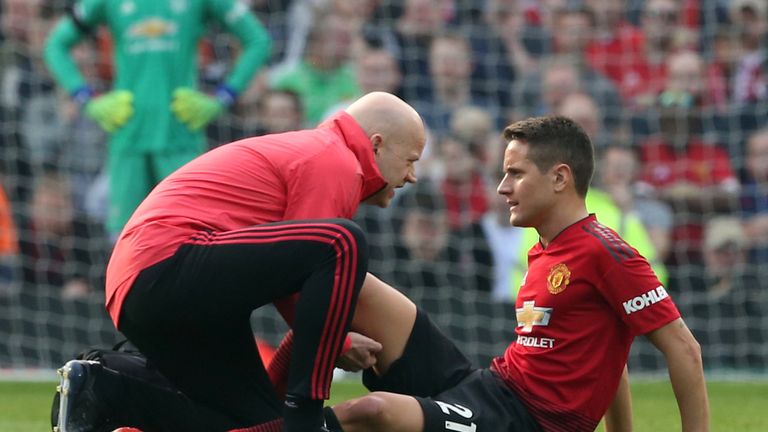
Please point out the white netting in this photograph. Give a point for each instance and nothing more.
(642, 77)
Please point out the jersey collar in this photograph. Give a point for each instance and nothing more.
(361, 146)
(562, 236)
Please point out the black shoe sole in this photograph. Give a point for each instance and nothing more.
(73, 380)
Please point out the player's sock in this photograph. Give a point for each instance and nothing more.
(331, 421)
(302, 414)
(278, 367)
(430, 363)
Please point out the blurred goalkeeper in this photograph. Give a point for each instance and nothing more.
(154, 113)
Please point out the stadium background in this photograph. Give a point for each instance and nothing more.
(633, 72)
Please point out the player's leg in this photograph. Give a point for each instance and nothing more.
(94, 397)
(480, 402)
(323, 315)
(385, 315)
(379, 411)
(222, 277)
(170, 315)
(416, 358)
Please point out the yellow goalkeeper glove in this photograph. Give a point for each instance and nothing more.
(195, 109)
(111, 110)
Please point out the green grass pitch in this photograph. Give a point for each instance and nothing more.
(735, 406)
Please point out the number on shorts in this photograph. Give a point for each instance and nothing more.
(461, 411)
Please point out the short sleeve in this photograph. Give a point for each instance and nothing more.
(636, 295)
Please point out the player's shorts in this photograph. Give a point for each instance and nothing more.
(482, 402)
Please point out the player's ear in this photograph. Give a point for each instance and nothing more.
(561, 177)
(376, 141)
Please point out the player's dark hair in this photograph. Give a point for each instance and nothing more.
(556, 139)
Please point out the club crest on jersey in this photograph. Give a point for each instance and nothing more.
(558, 279)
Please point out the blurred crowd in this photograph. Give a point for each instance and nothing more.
(674, 94)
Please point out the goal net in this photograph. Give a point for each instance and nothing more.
(673, 94)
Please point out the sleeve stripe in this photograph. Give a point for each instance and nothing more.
(618, 249)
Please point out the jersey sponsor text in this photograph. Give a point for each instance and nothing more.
(536, 342)
(644, 300)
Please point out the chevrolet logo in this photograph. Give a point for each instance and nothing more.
(530, 315)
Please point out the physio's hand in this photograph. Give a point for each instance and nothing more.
(111, 110)
(193, 108)
(361, 355)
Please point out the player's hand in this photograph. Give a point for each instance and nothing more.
(111, 110)
(361, 355)
(193, 108)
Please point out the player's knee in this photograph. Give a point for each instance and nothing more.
(372, 410)
(354, 230)
(354, 239)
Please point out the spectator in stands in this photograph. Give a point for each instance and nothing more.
(693, 176)
(31, 125)
(663, 33)
(618, 170)
(560, 77)
(474, 124)
(581, 108)
(450, 74)
(684, 82)
(464, 190)
(420, 21)
(727, 298)
(725, 253)
(721, 69)
(754, 196)
(9, 247)
(57, 249)
(424, 260)
(751, 74)
(376, 69)
(513, 27)
(573, 28)
(325, 76)
(617, 45)
(278, 111)
(499, 52)
(302, 15)
(260, 113)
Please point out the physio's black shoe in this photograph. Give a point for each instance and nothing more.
(80, 409)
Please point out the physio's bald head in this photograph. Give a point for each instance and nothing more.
(397, 137)
(386, 114)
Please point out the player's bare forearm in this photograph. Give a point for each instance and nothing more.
(618, 418)
(683, 355)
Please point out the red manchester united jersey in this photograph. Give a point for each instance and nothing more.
(585, 297)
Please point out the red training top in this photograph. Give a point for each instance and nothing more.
(313, 174)
(580, 305)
